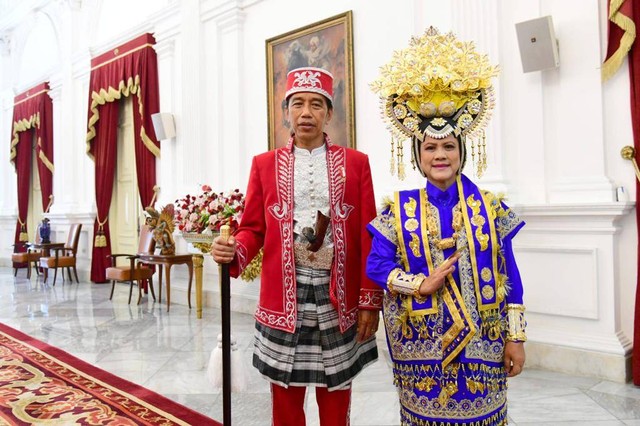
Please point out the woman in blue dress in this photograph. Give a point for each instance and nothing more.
(453, 307)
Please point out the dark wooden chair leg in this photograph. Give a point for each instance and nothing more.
(75, 272)
(130, 290)
(55, 275)
(153, 293)
(15, 272)
(139, 291)
(45, 271)
(28, 270)
(113, 287)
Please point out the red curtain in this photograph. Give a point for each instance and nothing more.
(105, 158)
(32, 115)
(130, 69)
(22, 162)
(623, 16)
(634, 77)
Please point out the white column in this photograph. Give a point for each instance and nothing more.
(231, 156)
(575, 147)
(478, 22)
(226, 154)
(167, 31)
(192, 143)
(524, 159)
(73, 176)
(7, 171)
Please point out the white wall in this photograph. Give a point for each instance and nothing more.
(553, 144)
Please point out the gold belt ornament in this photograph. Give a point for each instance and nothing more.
(320, 259)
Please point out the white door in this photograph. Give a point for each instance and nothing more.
(34, 216)
(125, 202)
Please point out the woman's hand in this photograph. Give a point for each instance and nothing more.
(514, 358)
(223, 251)
(436, 280)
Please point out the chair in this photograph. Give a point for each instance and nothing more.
(135, 270)
(29, 256)
(65, 257)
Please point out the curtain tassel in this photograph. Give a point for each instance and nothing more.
(24, 236)
(100, 239)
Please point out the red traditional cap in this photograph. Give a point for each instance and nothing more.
(310, 79)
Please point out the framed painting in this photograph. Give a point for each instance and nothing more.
(326, 44)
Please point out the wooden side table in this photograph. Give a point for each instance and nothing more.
(45, 247)
(167, 261)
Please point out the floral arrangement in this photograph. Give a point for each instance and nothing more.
(209, 211)
(205, 213)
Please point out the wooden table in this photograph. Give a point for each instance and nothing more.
(45, 247)
(168, 260)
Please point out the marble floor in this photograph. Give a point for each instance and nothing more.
(168, 352)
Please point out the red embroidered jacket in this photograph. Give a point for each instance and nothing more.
(268, 221)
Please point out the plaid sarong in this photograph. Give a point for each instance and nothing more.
(316, 354)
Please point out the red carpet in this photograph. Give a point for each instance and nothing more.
(40, 384)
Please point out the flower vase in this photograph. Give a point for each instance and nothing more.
(200, 241)
(45, 231)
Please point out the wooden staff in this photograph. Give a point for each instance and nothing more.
(225, 296)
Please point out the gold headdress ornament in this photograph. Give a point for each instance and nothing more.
(437, 86)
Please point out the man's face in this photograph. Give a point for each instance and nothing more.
(308, 113)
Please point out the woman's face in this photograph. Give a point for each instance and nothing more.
(440, 160)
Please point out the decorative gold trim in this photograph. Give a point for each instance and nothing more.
(457, 319)
(494, 246)
(402, 282)
(427, 254)
(398, 217)
(110, 94)
(29, 97)
(516, 323)
(48, 164)
(21, 126)
(121, 55)
(611, 65)
(470, 242)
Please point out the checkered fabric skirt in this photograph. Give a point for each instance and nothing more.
(317, 354)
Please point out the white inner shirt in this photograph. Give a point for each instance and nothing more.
(310, 190)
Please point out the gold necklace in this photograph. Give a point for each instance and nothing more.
(433, 228)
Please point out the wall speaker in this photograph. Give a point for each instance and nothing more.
(538, 44)
(163, 125)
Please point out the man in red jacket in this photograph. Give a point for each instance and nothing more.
(307, 206)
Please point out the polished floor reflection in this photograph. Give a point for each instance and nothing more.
(169, 353)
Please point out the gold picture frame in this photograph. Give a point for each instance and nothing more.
(325, 44)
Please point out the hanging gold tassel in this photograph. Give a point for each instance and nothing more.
(473, 153)
(392, 168)
(401, 174)
(482, 156)
(100, 239)
(23, 231)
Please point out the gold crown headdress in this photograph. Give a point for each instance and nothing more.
(437, 86)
